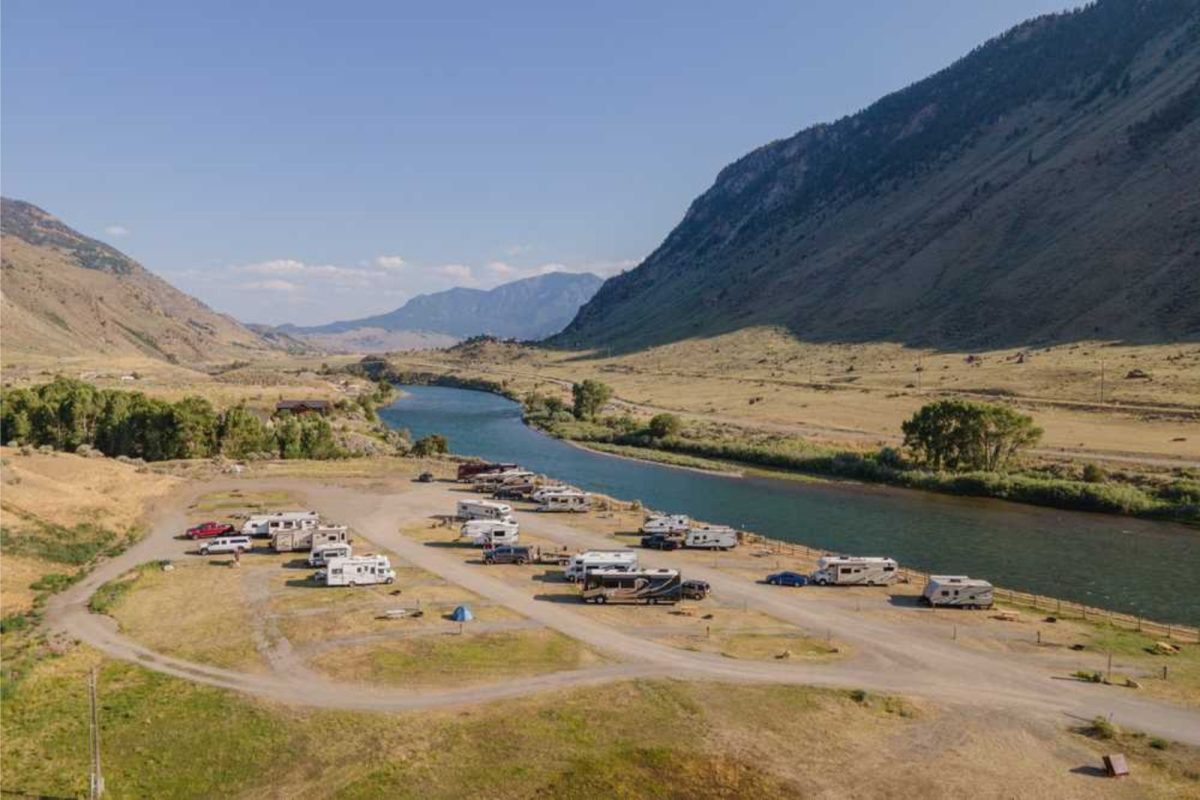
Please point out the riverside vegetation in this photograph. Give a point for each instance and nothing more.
(952, 446)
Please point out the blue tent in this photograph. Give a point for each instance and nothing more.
(462, 614)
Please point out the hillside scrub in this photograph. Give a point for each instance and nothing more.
(72, 415)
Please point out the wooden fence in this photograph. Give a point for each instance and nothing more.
(1051, 605)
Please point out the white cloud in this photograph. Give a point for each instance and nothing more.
(389, 262)
(457, 272)
(275, 285)
(501, 269)
(514, 250)
(117, 230)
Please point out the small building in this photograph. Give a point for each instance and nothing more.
(298, 407)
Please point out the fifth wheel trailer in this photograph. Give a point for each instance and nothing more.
(957, 590)
(268, 524)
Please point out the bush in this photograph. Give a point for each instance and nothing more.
(430, 445)
(1102, 728)
(1094, 473)
(663, 425)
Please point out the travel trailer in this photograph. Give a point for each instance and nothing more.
(566, 501)
(667, 523)
(307, 538)
(483, 509)
(957, 590)
(473, 468)
(494, 480)
(711, 537)
(639, 586)
(541, 493)
(846, 570)
(267, 524)
(324, 553)
(581, 564)
(489, 532)
(357, 571)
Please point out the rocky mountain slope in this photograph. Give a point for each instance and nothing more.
(65, 294)
(1045, 187)
(531, 308)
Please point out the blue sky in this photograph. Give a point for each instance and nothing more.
(304, 161)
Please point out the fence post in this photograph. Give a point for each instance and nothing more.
(1169, 632)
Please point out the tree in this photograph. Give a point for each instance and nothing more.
(197, 427)
(288, 436)
(664, 425)
(316, 437)
(589, 396)
(241, 433)
(430, 445)
(965, 435)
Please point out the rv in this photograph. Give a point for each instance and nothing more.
(639, 586)
(566, 501)
(483, 509)
(357, 571)
(581, 564)
(542, 492)
(668, 524)
(493, 480)
(711, 537)
(267, 524)
(845, 570)
(488, 532)
(307, 538)
(322, 554)
(957, 590)
(473, 468)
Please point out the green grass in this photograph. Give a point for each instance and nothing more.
(77, 545)
(110, 594)
(236, 499)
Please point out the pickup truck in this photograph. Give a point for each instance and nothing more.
(207, 530)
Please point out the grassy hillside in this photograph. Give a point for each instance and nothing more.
(1041, 189)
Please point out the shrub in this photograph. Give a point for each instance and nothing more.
(663, 425)
(430, 445)
(1094, 473)
(1102, 728)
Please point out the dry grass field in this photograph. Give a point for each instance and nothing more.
(858, 394)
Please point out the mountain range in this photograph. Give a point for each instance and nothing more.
(65, 294)
(1043, 188)
(531, 308)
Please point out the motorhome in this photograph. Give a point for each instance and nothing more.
(322, 554)
(483, 509)
(357, 571)
(582, 563)
(494, 480)
(541, 493)
(848, 570)
(267, 524)
(566, 501)
(308, 538)
(473, 468)
(639, 586)
(667, 523)
(710, 537)
(957, 590)
(489, 532)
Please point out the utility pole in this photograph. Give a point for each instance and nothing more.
(1102, 380)
(96, 779)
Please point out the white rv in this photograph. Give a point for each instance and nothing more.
(957, 590)
(667, 524)
(542, 492)
(268, 524)
(845, 570)
(565, 501)
(483, 509)
(357, 571)
(322, 554)
(492, 480)
(711, 537)
(616, 560)
(487, 532)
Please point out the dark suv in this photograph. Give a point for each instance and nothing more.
(660, 541)
(695, 590)
(507, 554)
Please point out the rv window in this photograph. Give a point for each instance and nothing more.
(889, 569)
(845, 570)
(945, 592)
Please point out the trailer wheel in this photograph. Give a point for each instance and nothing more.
(390, 581)
(352, 584)
(601, 599)
(822, 582)
(520, 562)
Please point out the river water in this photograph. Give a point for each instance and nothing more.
(1147, 568)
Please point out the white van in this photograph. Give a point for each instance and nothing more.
(486, 532)
(324, 553)
(267, 524)
(566, 501)
(581, 563)
(226, 544)
(957, 590)
(848, 570)
(357, 571)
(483, 509)
(667, 524)
(710, 537)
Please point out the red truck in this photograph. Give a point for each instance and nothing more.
(206, 530)
(473, 468)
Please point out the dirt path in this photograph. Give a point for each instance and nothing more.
(890, 656)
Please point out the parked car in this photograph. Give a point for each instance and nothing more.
(510, 494)
(425, 477)
(226, 544)
(660, 541)
(787, 579)
(695, 590)
(206, 530)
(507, 554)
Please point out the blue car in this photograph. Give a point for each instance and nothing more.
(787, 579)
